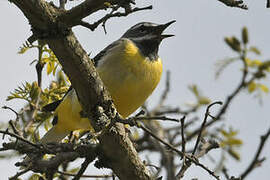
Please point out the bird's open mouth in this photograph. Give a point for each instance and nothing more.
(162, 27)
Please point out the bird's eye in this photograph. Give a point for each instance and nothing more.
(142, 29)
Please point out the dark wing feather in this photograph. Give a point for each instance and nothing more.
(105, 51)
(52, 106)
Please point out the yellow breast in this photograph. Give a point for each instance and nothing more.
(129, 77)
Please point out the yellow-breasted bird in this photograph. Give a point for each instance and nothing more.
(130, 68)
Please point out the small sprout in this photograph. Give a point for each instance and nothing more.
(259, 74)
(264, 88)
(234, 154)
(252, 86)
(234, 43)
(255, 50)
(34, 91)
(201, 100)
(230, 141)
(253, 63)
(107, 4)
(257, 86)
(193, 88)
(50, 67)
(204, 100)
(264, 66)
(245, 35)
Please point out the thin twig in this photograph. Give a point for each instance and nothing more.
(162, 141)
(20, 138)
(183, 135)
(133, 120)
(203, 124)
(103, 20)
(12, 125)
(17, 114)
(18, 174)
(83, 168)
(163, 118)
(85, 176)
(62, 4)
(224, 170)
(177, 110)
(229, 98)
(186, 164)
(255, 160)
(191, 158)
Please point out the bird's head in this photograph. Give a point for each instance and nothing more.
(148, 30)
(147, 36)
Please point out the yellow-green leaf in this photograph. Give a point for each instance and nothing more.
(264, 88)
(107, 4)
(50, 67)
(248, 61)
(264, 65)
(245, 35)
(34, 177)
(34, 91)
(204, 100)
(74, 170)
(233, 141)
(234, 43)
(255, 50)
(194, 89)
(136, 134)
(23, 50)
(224, 133)
(252, 86)
(234, 154)
(256, 62)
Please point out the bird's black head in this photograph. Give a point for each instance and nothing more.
(147, 36)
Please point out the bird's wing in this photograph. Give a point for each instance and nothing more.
(105, 51)
(52, 106)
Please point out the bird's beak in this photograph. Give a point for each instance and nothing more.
(162, 27)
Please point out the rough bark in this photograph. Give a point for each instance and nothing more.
(53, 26)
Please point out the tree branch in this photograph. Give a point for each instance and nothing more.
(95, 100)
(256, 160)
(234, 3)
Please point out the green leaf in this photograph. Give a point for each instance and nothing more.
(252, 86)
(204, 100)
(233, 43)
(35, 177)
(34, 91)
(234, 141)
(245, 35)
(23, 50)
(264, 88)
(255, 50)
(264, 66)
(234, 154)
(50, 66)
(194, 89)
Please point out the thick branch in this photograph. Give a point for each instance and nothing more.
(82, 10)
(116, 147)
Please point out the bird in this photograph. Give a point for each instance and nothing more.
(130, 68)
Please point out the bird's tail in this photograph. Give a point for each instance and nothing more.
(53, 136)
